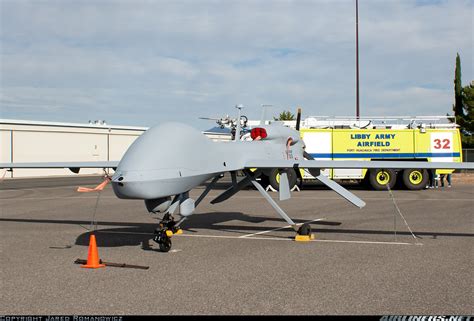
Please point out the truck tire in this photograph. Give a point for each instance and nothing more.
(379, 178)
(264, 180)
(274, 178)
(415, 179)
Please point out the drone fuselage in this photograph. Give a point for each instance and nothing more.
(173, 158)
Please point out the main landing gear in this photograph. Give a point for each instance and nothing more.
(303, 233)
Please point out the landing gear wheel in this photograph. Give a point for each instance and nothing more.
(165, 244)
(167, 224)
(305, 229)
(163, 240)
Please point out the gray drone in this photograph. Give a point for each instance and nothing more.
(169, 160)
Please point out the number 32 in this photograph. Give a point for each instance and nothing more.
(444, 144)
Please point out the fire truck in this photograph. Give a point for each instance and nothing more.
(422, 139)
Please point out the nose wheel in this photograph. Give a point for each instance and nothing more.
(167, 228)
(164, 241)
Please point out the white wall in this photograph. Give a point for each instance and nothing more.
(5, 149)
(33, 142)
(118, 145)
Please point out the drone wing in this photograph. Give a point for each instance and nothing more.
(73, 166)
(317, 164)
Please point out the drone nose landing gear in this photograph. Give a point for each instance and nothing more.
(168, 226)
(166, 229)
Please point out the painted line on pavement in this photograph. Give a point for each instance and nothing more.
(267, 238)
(280, 228)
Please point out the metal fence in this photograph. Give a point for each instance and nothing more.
(467, 156)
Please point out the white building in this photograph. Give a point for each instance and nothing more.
(34, 141)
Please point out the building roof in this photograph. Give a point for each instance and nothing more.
(75, 125)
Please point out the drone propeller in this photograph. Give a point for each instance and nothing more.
(322, 178)
(298, 119)
(313, 171)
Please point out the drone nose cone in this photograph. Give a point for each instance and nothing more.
(129, 186)
(118, 185)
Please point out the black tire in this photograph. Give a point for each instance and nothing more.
(274, 178)
(305, 229)
(379, 178)
(165, 244)
(364, 183)
(264, 180)
(415, 179)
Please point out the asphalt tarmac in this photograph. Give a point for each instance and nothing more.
(237, 257)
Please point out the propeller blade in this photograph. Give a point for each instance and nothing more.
(313, 171)
(341, 191)
(284, 187)
(307, 156)
(298, 119)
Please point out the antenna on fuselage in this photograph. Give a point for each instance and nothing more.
(237, 129)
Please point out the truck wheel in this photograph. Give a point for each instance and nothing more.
(264, 180)
(379, 178)
(274, 178)
(415, 179)
(365, 181)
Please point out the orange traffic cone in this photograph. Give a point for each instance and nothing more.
(93, 261)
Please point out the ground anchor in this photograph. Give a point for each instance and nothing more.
(122, 265)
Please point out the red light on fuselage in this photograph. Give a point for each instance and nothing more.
(258, 133)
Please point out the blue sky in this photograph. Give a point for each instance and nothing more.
(145, 62)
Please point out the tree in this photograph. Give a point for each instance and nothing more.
(458, 107)
(463, 107)
(285, 115)
(467, 126)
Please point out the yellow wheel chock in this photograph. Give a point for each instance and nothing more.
(304, 238)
